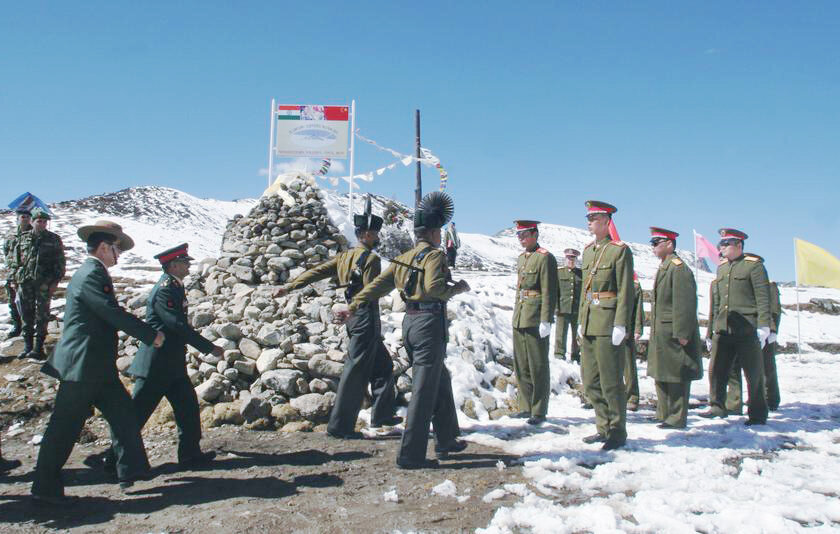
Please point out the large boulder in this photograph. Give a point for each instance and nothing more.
(268, 360)
(282, 381)
(314, 406)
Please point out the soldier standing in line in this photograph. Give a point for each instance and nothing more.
(742, 321)
(40, 261)
(84, 362)
(674, 349)
(24, 218)
(162, 372)
(367, 361)
(533, 310)
(452, 243)
(568, 302)
(605, 309)
(424, 281)
(631, 374)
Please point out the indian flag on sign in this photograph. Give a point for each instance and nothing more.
(288, 113)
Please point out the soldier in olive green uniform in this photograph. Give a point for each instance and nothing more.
(631, 373)
(674, 349)
(533, 311)
(162, 372)
(424, 281)
(84, 361)
(741, 326)
(734, 388)
(367, 361)
(605, 310)
(568, 304)
(40, 262)
(24, 217)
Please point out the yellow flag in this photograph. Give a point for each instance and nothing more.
(816, 266)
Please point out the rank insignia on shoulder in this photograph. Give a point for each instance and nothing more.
(165, 283)
(542, 250)
(676, 261)
(618, 243)
(751, 258)
(107, 289)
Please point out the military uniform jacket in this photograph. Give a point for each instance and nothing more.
(87, 350)
(340, 266)
(607, 268)
(536, 288)
(775, 307)
(637, 318)
(568, 290)
(451, 239)
(432, 284)
(39, 257)
(741, 297)
(166, 311)
(674, 316)
(9, 251)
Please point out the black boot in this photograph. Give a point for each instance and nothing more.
(27, 346)
(38, 352)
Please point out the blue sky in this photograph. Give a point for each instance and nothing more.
(683, 114)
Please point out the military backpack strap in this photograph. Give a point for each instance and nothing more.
(356, 282)
(411, 283)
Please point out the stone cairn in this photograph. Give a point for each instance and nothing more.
(283, 356)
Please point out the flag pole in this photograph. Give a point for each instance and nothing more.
(352, 156)
(796, 290)
(696, 259)
(271, 143)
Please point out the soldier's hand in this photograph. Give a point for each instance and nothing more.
(618, 335)
(281, 291)
(462, 286)
(217, 351)
(709, 344)
(340, 313)
(637, 337)
(545, 328)
(682, 341)
(772, 338)
(159, 339)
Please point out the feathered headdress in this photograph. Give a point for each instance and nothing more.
(435, 210)
(367, 220)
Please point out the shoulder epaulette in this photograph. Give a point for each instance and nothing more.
(723, 260)
(590, 244)
(618, 243)
(541, 250)
(676, 261)
(751, 258)
(166, 282)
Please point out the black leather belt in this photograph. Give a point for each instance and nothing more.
(417, 306)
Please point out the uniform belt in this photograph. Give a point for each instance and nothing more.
(596, 296)
(529, 293)
(424, 306)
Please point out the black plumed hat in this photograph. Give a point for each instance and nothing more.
(435, 210)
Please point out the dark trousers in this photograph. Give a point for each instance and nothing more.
(73, 405)
(727, 349)
(566, 322)
(734, 393)
(13, 309)
(672, 402)
(367, 362)
(602, 370)
(530, 364)
(451, 254)
(631, 374)
(424, 335)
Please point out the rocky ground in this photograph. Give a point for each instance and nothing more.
(261, 481)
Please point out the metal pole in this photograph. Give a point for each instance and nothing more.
(796, 289)
(352, 156)
(271, 143)
(418, 188)
(696, 259)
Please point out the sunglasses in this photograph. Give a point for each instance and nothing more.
(728, 242)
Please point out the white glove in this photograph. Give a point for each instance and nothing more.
(580, 330)
(772, 337)
(618, 335)
(545, 329)
(708, 344)
(763, 333)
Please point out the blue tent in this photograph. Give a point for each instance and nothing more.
(30, 201)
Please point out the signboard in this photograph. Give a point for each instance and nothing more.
(311, 131)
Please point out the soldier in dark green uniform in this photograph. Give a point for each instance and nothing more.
(631, 373)
(674, 349)
(741, 326)
(424, 281)
(40, 262)
(24, 217)
(367, 361)
(162, 371)
(568, 304)
(85, 363)
(605, 309)
(533, 311)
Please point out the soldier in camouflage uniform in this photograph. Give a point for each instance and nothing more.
(605, 309)
(424, 281)
(674, 349)
(40, 267)
(24, 216)
(367, 361)
(631, 373)
(568, 302)
(533, 311)
(742, 322)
